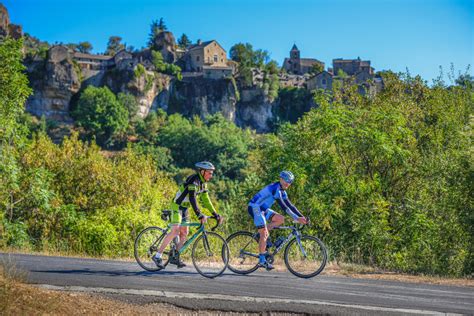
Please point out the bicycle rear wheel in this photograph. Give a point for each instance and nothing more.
(243, 252)
(306, 259)
(146, 245)
(210, 254)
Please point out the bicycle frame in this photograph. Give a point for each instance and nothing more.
(189, 241)
(294, 233)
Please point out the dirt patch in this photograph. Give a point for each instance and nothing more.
(17, 298)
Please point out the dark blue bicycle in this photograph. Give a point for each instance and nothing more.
(305, 256)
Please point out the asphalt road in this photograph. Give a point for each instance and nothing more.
(261, 291)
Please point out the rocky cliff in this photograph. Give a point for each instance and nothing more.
(58, 80)
(54, 82)
(6, 28)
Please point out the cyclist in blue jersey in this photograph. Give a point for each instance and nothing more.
(265, 218)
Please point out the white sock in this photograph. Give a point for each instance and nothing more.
(158, 255)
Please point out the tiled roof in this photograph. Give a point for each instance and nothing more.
(202, 45)
(309, 61)
(90, 56)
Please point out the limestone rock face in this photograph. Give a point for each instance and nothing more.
(166, 44)
(148, 89)
(199, 96)
(54, 82)
(255, 110)
(4, 20)
(6, 28)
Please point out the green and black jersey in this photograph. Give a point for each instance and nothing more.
(193, 188)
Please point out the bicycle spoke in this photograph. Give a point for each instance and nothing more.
(305, 257)
(146, 245)
(210, 254)
(243, 252)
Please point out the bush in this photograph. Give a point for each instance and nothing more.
(102, 115)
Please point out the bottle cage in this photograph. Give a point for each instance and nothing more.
(165, 215)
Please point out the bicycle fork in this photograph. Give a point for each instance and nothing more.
(206, 245)
(298, 240)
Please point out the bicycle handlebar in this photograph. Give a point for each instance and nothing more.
(217, 222)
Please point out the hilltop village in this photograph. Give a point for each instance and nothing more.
(183, 77)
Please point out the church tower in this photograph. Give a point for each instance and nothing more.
(295, 59)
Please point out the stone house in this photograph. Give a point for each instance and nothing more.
(122, 55)
(352, 66)
(323, 80)
(297, 65)
(210, 54)
(93, 62)
(208, 58)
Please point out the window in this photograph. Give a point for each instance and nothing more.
(197, 58)
(324, 81)
(216, 59)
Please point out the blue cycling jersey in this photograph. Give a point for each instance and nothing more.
(265, 198)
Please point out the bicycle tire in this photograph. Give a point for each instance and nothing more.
(143, 251)
(210, 247)
(319, 256)
(235, 242)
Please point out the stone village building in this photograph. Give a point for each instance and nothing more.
(352, 66)
(207, 58)
(297, 65)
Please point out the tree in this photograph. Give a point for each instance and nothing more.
(248, 59)
(34, 47)
(316, 68)
(161, 25)
(161, 66)
(84, 47)
(14, 91)
(114, 45)
(72, 46)
(101, 114)
(129, 102)
(465, 80)
(155, 29)
(184, 41)
(157, 60)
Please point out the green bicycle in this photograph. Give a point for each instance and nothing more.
(210, 253)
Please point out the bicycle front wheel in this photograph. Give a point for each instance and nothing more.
(210, 254)
(244, 252)
(146, 245)
(307, 257)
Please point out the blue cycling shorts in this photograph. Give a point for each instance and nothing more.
(260, 216)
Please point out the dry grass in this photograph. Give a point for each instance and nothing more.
(17, 298)
(366, 272)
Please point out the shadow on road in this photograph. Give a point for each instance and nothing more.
(122, 273)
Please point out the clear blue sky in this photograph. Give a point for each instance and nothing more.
(418, 35)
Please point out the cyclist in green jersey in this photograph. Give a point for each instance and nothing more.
(193, 188)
